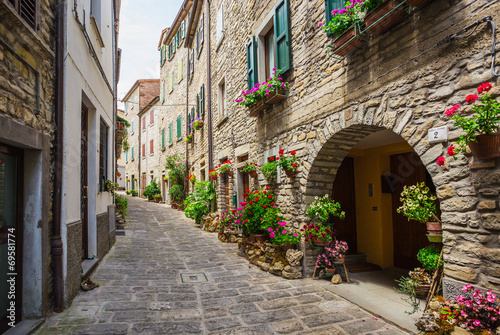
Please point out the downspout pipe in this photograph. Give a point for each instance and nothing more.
(56, 241)
(186, 183)
(209, 91)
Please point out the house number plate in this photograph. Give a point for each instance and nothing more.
(439, 134)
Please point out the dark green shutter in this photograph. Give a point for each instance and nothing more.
(163, 138)
(251, 63)
(183, 29)
(331, 5)
(169, 51)
(282, 43)
(179, 125)
(192, 119)
(189, 122)
(202, 100)
(197, 105)
(132, 153)
(170, 133)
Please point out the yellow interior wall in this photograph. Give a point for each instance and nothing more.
(374, 227)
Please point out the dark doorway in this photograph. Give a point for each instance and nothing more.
(409, 236)
(11, 235)
(84, 182)
(225, 178)
(343, 192)
(143, 183)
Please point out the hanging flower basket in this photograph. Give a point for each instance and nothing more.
(383, 17)
(486, 147)
(416, 3)
(290, 174)
(257, 108)
(253, 173)
(276, 96)
(349, 41)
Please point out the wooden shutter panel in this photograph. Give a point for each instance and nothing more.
(151, 117)
(169, 51)
(192, 61)
(331, 5)
(162, 98)
(126, 156)
(202, 100)
(179, 125)
(151, 146)
(197, 105)
(144, 150)
(282, 36)
(161, 56)
(202, 28)
(170, 133)
(163, 138)
(192, 119)
(132, 152)
(251, 63)
(183, 29)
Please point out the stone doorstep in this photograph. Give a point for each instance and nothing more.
(88, 266)
(25, 327)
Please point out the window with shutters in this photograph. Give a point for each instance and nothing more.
(178, 37)
(200, 36)
(191, 66)
(28, 10)
(171, 82)
(330, 5)
(103, 152)
(180, 69)
(151, 117)
(132, 128)
(96, 20)
(197, 105)
(202, 100)
(183, 29)
(132, 102)
(220, 24)
(222, 99)
(143, 121)
(179, 127)
(192, 119)
(169, 52)
(126, 156)
(151, 147)
(170, 133)
(163, 138)
(143, 154)
(162, 93)
(132, 153)
(126, 107)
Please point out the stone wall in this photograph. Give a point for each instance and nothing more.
(103, 235)
(73, 261)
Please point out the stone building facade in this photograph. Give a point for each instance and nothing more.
(152, 142)
(27, 123)
(135, 100)
(366, 117)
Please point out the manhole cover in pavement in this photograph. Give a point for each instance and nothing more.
(193, 277)
(120, 232)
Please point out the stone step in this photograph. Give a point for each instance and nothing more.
(355, 258)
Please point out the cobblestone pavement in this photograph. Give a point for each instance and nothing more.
(142, 291)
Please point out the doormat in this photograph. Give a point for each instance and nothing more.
(120, 232)
(363, 267)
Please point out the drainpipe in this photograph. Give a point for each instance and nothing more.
(186, 182)
(140, 147)
(209, 95)
(56, 241)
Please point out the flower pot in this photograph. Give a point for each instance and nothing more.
(435, 238)
(260, 238)
(421, 291)
(318, 244)
(173, 205)
(290, 174)
(416, 3)
(349, 41)
(189, 140)
(275, 96)
(486, 147)
(257, 108)
(198, 126)
(330, 272)
(287, 246)
(384, 17)
(253, 173)
(340, 260)
(157, 199)
(434, 228)
(251, 238)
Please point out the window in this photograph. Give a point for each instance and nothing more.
(126, 156)
(183, 29)
(171, 82)
(282, 35)
(178, 37)
(95, 11)
(132, 102)
(199, 36)
(179, 126)
(162, 93)
(151, 149)
(132, 153)
(191, 64)
(103, 152)
(169, 51)
(143, 151)
(163, 138)
(179, 70)
(28, 10)
(152, 117)
(126, 107)
(202, 28)
(330, 5)
(251, 63)
(144, 123)
(197, 105)
(132, 128)
(170, 131)
(191, 120)
(222, 100)
(202, 100)
(220, 24)
(269, 52)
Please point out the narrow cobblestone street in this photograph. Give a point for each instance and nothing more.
(153, 282)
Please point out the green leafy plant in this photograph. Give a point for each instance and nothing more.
(344, 18)
(157, 196)
(189, 137)
(176, 164)
(269, 170)
(287, 163)
(133, 193)
(283, 235)
(213, 174)
(198, 203)
(323, 208)
(110, 186)
(259, 212)
(418, 203)
(406, 286)
(369, 5)
(121, 205)
(261, 90)
(152, 189)
(429, 258)
(249, 166)
(177, 193)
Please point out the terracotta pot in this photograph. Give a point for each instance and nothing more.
(434, 228)
(198, 126)
(275, 96)
(416, 3)
(376, 24)
(253, 173)
(318, 243)
(173, 205)
(486, 147)
(261, 238)
(286, 247)
(421, 291)
(290, 174)
(340, 259)
(251, 238)
(157, 199)
(330, 271)
(349, 42)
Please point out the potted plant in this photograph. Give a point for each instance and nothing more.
(176, 194)
(415, 286)
(192, 178)
(269, 170)
(127, 192)
(197, 123)
(213, 174)
(429, 257)
(151, 190)
(482, 129)
(198, 203)
(324, 208)
(226, 167)
(157, 198)
(420, 205)
(283, 237)
(344, 27)
(250, 168)
(333, 254)
(133, 193)
(189, 138)
(135, 179)
(288, 164)
(316, 234)
(165, 179)
(382, 15)
(109, 186)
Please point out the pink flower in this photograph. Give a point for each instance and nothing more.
(270, 229)
(272, 235)
(295, 234)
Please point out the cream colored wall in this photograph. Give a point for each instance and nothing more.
(374, 228)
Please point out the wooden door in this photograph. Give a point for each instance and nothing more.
(343, 192)
(226, 190)
(409, 236)
(11, 234)
(84, 182)
(246, 183)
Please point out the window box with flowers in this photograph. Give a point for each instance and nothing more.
(250, 168)
(270, 170)
(226, 167)
(345, 28)
(482, 129)
(197, 123)
(265, 94)
(288, 164)
(189, 138)
(382, 14)
(213, 174)
(192, 178)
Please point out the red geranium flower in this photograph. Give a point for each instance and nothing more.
(245, 195)
(267, 187)
(269, 196)
(277, 158)
(440, 161)
(293, 153)
(248, 191)
(451, 151)
(294, 165)
(281, 151)
(265, 206)
(264, 191)
(250, 202)
(471, 98)
(484, 87)
(272, 203)
(271, 159)
(256, 199)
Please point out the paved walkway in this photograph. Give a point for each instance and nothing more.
(152, 282)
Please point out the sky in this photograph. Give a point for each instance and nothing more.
(141, 23)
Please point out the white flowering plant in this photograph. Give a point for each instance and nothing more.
(323, 208)
(419, 203)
